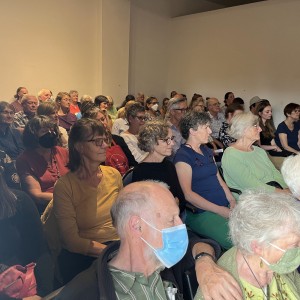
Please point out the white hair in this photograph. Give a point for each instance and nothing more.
(290, 171)
(263, 217)
(240, 123)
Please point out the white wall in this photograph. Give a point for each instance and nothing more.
(149, 47)
(49, 44)
(250, 50)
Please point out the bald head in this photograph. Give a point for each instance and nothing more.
(144, 198)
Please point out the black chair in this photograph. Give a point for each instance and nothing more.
(190, 283)
(127, 177)
(233, 190)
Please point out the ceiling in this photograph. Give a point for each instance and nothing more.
(187, 7)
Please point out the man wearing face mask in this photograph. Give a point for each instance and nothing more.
(43, 161)
(151, 105)
(152, 238)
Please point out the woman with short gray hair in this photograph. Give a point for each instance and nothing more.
(247, 166)
(156, 138)
(265, 231)
(201, 182)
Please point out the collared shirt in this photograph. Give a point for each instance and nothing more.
(135, 286)
(11, 142)
(20, 120)
(216, 123)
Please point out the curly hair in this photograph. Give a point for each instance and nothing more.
(30, 134)
(193, 119)
(150, 133)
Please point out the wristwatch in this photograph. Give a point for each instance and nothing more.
(201, 254)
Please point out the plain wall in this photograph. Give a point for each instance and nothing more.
(249, 50)
(49, 44)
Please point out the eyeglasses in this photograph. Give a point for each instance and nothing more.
(141, 118)
(296, 110)
(181, 109)
(216, 104)
(168, 140)
(5, 112)
(99, 141)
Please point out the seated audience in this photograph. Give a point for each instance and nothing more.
(83, 198)
(21, 118)
(239, 100)
(10, 138)
(22, 238)
(253, 104)
(230, 112)
(9, 171)
(102, 103)
(201, 182)
(127, 98)
(291, 173)
(164, 107)
(140, 98)
(152, 238)
(267, 134)
(16, 105)
(135, 116)
(115, 140)
(121, 124)
(50, 110)
(156, 138)
(287, 133)
(44, 95)
(152, 111)
(247, 166)
(217, 118)
(197, 103)
(265, 232)
(228, 100)
(74, 104)
(65, 118)
(111, 109)
(42, 162)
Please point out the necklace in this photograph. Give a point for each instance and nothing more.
(264, 289)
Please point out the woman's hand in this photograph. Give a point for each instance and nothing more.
(232, 202)
(223, 211)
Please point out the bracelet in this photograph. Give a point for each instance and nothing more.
(201, 254)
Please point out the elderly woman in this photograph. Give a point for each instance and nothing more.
(83, 198)
(287, 133)
(201, 182)
(230, 112)
(156, 138)
(42, 162)
(247, 166)
(265, 231)
(66, 119)
(135, 115)
(50, 109)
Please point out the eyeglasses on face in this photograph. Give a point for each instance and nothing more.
(99, 141)
(141, 118)
(6, 112)
(181, 109)
(216, 104)
(168, 140)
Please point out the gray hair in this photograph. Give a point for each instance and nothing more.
(43, 91)
(27, 97)
(134, 199)
(192, 120)
(150, 133)
(290, 171)
(240, 123)
(173, 102)
(263, 217)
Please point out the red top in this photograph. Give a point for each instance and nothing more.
(74, 109)
(32, 163)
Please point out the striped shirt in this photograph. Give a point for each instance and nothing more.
(135, 286)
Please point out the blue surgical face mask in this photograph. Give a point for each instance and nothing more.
(175, 243)
(288, 263)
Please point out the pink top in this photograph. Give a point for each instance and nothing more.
(32, 163)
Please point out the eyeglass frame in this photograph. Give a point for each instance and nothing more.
(141, 118)
(168, 140)
(7, 112)
(106, 140)
(180, 109)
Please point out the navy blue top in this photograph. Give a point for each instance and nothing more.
(292, 136)
(204, 174)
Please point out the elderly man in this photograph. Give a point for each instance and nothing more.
(29, 104)
(253, 104)
(290, 171)
(177, 108)
(44, 95)
(152, 237)
(217, 119)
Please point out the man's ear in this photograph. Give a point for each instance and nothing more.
(135, 225)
